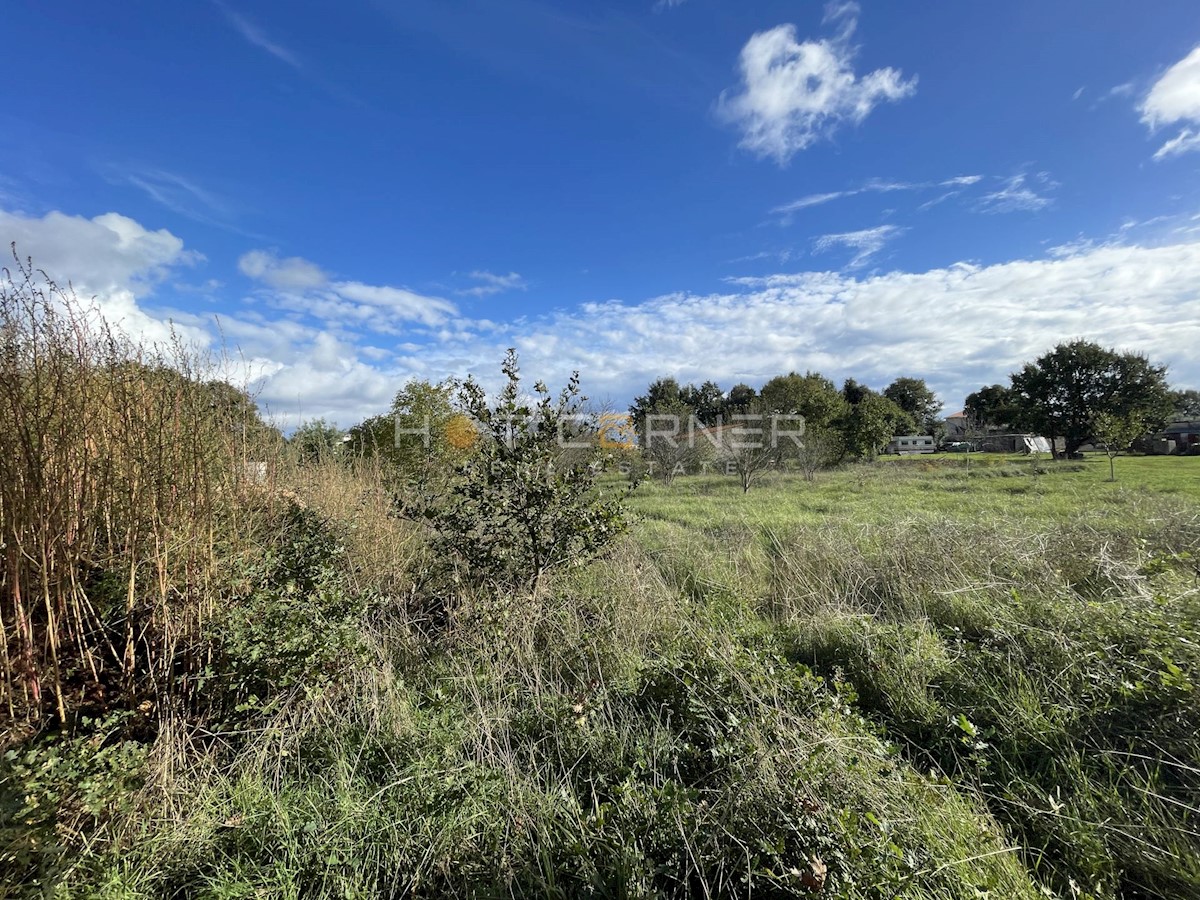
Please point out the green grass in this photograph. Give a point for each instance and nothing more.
(900, 680)
(1009, 487)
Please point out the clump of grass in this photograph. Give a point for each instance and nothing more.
(1052, 673)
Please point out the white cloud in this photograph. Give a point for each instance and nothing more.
(490, 283)
(794, 94)
(866, 242)
(1175, 100)
(176, 193)
(303, 287)
(255, 35)
(296, 369)
(293, 273)
(300, 286)
(110, 259)
(380, 306)
(812, 200)
(1184, 142)
(959, 326)
(1017, 194)
(874, 185)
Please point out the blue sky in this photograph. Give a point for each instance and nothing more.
(374, 190)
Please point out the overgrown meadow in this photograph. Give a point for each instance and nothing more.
(236, 670)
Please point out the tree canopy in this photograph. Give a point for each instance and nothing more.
(810, 395)
(914, 397)
(1062, 393)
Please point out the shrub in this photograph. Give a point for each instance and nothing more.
(294, 628)
(520, 506)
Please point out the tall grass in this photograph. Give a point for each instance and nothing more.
(119, 468)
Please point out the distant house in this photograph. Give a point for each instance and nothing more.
(956, 424)
(1178, 437)
(904, 444)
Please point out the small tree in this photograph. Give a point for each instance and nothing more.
(753, 442)
(516, 511)
(317, 441)
(819, 448)
(669, 443)
(1116, 433)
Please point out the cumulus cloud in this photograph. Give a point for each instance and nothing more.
(793, 94)
(866, 243)
(959, 326)
(291, 274)
(110, 258)
(1175, 100)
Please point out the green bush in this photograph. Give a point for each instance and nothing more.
(293, 631)
(58, 792)
(526, 502)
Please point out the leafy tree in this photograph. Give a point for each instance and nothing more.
(810, 395)
(1065, 390)
(1117, 432)
(853, 392)
(739, 399)
(871, 422)
(757, 440)
(317, 441)
(914, 397)
(662, 392)
(514, 512)
(237, 409)
(990, 408)
(1185, 405)
(708, 401)
(422, 436)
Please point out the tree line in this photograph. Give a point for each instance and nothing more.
(1077, 393)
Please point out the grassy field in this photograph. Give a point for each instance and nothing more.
(904, 679)
(896, 488)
